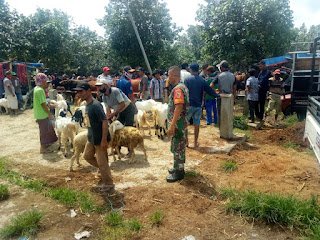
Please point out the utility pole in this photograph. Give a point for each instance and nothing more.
(138, 37)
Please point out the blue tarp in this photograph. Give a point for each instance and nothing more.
(306, 55)
(276, 60)
(30, 66)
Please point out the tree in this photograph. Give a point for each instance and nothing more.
(245, 31)
(154, 26)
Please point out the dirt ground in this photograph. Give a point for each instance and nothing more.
(191, 207)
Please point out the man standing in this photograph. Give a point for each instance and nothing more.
(144, 85)
(226, 85)
(263, 78)
(276, 89)
(177, 120)
(184, 71)
(157, 87)
(197, 86)
(95, 151)
(106, 76)
(204, 73)
(17, 88)
(210, 102)
(124, 82)
(252, 94)
(10, 93)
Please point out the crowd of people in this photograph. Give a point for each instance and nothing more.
(186, 90)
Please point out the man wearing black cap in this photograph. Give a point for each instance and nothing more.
(95, 151)
(144, 85)
(263, 78)
(157, 87)
(197, 86)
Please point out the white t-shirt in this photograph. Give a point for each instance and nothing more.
(183, 74)
(107, 78)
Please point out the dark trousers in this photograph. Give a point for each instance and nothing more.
(219, 110)
(211, 105)
(261, 104)
(126, 117)
(253, 108)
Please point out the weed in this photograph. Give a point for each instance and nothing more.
(24, 225)
(291, 120)
(226, 193)
(156, 218)
(192, 173)
(310, 152)
(115, 233)
(229, 166)
(240, 122)
(115, 219)
(4, 192)
(134, 224)
(275, 208)
(290, 145)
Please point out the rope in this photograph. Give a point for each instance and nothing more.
(111, 204)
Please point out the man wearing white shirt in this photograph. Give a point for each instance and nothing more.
(106, 76)
(184, 71)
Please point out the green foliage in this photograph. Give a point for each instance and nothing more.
(191, 173)
(245, 31)
(240, 122)
(157, 217)
(154, 25)
(275, 208)
(291, 120)
(24, 225)
(229, 166)
(114, 219)
(245, 132)
(134, 224)
(290, 145)
(4, 192)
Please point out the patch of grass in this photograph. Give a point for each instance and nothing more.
(24, 225)
(191, 173)
(114, 219)
(69, 197)
(4, 192)
(290, 145)
(240, 122)
(157, 217)
(291, 120)
(226, 193)
(303, 215)
(229, 166)
(134, 224)
(245, 132)
(310, 152)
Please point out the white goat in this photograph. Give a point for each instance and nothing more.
(4, 103)
(61, 104)
(160, 113)
(140, 120)
(129, 137)
(79, 143)
(146, 105)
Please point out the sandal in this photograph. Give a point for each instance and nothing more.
(108, 190)
(46, 151)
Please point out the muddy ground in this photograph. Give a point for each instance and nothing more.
(190, 207)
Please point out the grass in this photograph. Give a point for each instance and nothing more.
(291, 120)
(245, 132)
(191, 173)
(117, 228)
(229, 166)
(291, 145)
(24, 225)
(4, 192)
(240, 122)
(69, 197)
(303, 215)
(157, 217)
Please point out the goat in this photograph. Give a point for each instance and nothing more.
(140, 119)
(79, 143)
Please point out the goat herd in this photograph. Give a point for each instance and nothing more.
(70, 133)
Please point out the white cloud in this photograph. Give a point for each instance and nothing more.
(306, 11)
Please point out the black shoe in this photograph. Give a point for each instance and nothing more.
(176, 176)
(171, 171)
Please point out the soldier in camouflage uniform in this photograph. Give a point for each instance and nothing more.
(177, 120)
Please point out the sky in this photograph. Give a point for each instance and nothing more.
(183, 12)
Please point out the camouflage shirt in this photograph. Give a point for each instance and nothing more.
(179, 94)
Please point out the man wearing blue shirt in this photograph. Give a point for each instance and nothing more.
(263, 78)
(196, 85)
(124, 83)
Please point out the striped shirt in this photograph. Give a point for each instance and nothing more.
(157, 86)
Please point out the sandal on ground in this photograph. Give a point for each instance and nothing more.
(108, 190)
(46, 151)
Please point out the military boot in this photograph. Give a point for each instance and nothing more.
(176, 176)
(171, 170)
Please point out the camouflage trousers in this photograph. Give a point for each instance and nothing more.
(178, 148)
